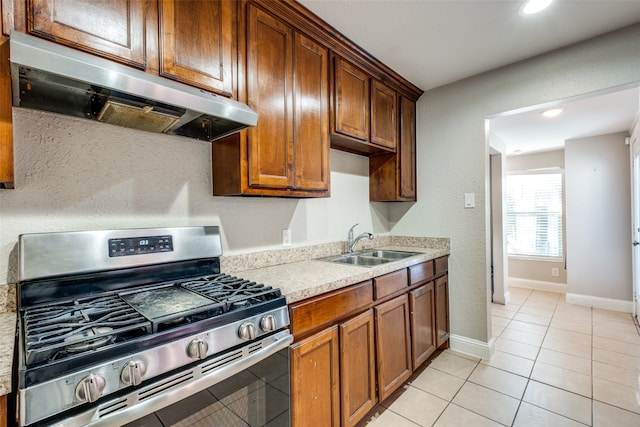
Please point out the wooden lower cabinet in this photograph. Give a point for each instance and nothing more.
(352, 351)
(423, 331)
(3, 411)
(442, 309)
(315, 391)
(357, 368)
(393, 345)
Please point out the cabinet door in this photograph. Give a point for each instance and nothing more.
(315, 390)
(269, 83)
(311, 114)
(114, 28)
(351, 100)
(423, 333)
(392, 177)
(442, 310)
(384, 130)
(196, 39)
(393, 345)
(406, 152)
(357, 368)
(6, 118)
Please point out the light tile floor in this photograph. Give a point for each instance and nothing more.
(555, 364)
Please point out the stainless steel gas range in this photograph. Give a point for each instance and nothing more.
(117, 325)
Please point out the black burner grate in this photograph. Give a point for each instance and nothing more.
(234, 292)
(57, 330)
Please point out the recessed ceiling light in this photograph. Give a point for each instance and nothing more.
(554, 112)
(534, 6)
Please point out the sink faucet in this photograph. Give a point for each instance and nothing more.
(352, 242)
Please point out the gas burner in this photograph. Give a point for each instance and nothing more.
(234, 292)
(89, 339)
(56, 331)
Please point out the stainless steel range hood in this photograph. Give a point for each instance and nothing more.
(47, 76)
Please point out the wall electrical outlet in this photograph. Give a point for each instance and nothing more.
(286, 237)
(555, 272)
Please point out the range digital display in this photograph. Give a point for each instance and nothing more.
(140, 245)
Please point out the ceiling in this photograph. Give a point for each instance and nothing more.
(435, 42)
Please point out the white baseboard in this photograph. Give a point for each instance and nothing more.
(472, 347)
(600, 302)
(538, 285)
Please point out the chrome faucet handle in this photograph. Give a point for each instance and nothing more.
(350, 234)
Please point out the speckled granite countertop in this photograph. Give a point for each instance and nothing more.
(7, 335)
(307, 277)
(304, 279)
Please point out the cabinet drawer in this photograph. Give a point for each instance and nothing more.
(421, 272)
(442, 265)
(390, 283)
(324, 310)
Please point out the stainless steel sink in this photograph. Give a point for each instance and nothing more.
(371, 258)
(358, 260)
(391, 255)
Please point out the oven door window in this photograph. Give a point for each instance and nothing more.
(256, 397)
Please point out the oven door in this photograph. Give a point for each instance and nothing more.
(248, 386)
(257, 396)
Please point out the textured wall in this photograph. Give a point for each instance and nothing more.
(73, 174)
(598, 211)
(452, 153)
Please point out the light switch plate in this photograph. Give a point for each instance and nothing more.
(469, 200)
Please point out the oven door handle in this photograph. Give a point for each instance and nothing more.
(155, 396)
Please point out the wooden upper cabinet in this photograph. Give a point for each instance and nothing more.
(114, 29)
(392, 177)
(407, 151)
(6, 123)
(311, 114)
(384, 130)
(196, 39)
(284, 77)
(364, 111)
(351, 101)
(269, 93)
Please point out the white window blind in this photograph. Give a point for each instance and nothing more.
(534, 215)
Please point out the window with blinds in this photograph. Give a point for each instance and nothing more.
(533, 217)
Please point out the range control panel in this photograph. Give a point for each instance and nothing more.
(140, 245)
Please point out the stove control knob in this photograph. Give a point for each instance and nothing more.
(133, 372)
(268, 323)
(198, 349)
(90, 388)
(247, 331)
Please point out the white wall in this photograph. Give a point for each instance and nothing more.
(452, 154)
(72, 174)
(598, 217)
